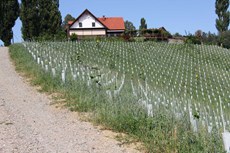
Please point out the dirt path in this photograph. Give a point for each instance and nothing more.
(28, 123)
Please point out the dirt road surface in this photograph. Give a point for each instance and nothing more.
(28, 124)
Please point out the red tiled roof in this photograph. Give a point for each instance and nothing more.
(70, 22)
(113, 23)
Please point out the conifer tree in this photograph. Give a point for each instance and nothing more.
(9, 12)
(1, 17)
(40, 18)
(223, 14)
(50, 17)
(30, 19)
(143, 25)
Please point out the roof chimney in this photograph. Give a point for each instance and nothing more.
(104, 18)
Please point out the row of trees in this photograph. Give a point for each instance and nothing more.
(222, 24)
(129, 27)
(40, 18)
(143, 30)
(209, 38)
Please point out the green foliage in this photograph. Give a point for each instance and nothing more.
(225, 39)
(73, 37)
(50, 17)
(24, 63)
(60, 36)
(210, 38)
(9, 12)
(223, 14)
(192, 40)
(130, 29)
(222, 39)
(40, 18)
(30, 18)
(139, 39)
(143, 25)
(177, 35)
(67, 18)
(160, 34)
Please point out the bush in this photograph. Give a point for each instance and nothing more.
(225, 39)
(73, 37)
(60, 36)
(139, 39)
(192, 40)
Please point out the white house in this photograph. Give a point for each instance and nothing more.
(89, 25)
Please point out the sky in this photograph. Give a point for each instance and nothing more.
(180, 16)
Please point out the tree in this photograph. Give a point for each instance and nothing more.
(67, 18)
(129, 26)
(143, 25)
(9, 12)
(40, 18)
(130, 29)
(209, 38)
(225, 39)
(57, 2)
(1, 16)
(50, 17)
(177, 35)
(198, 35)
(223, 14)
(29, 16)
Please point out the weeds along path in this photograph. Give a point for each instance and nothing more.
(28, 123)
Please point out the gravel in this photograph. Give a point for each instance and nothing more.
(28, 124)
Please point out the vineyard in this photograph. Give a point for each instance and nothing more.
(182, 87)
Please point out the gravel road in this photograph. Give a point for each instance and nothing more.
(28, 124)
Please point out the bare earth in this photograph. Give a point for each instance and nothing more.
(28, 123)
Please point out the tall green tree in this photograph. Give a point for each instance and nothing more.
(40, 18)
(1, 17)
(222, 22)
(50, 17)
(67, 18)
(129, 26)
(30, 18)
(9, 12)
(225, 37)
(143, 25)
(130, 29)
(57, 2)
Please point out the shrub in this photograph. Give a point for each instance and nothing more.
(192, 40)
(73, 37)
(225, 39)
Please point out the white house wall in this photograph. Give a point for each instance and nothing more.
(89, 32)
(87, 20)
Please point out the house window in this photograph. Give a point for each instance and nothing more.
(80, 24)
(93, 24)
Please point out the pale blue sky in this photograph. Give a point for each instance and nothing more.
(174, 15)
